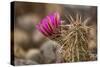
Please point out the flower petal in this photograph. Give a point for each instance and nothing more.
(48, 32)
(50, 25)
(45, 25)
(57, 19)
(52, 19)
(41, 30)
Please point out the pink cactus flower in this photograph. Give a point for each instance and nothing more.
(49, 24)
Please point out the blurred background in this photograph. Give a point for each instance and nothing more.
(30, 46)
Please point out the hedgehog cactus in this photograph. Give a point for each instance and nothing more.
(73, 41)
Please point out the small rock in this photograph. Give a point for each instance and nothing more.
(20, 36)
(27, 21)
(19, 52)
(93, 57)
(49, 52)
(92, 45)
(18, 62)
(34, 55)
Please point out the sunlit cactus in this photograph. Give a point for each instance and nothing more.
(73, 40)
(74, 44)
